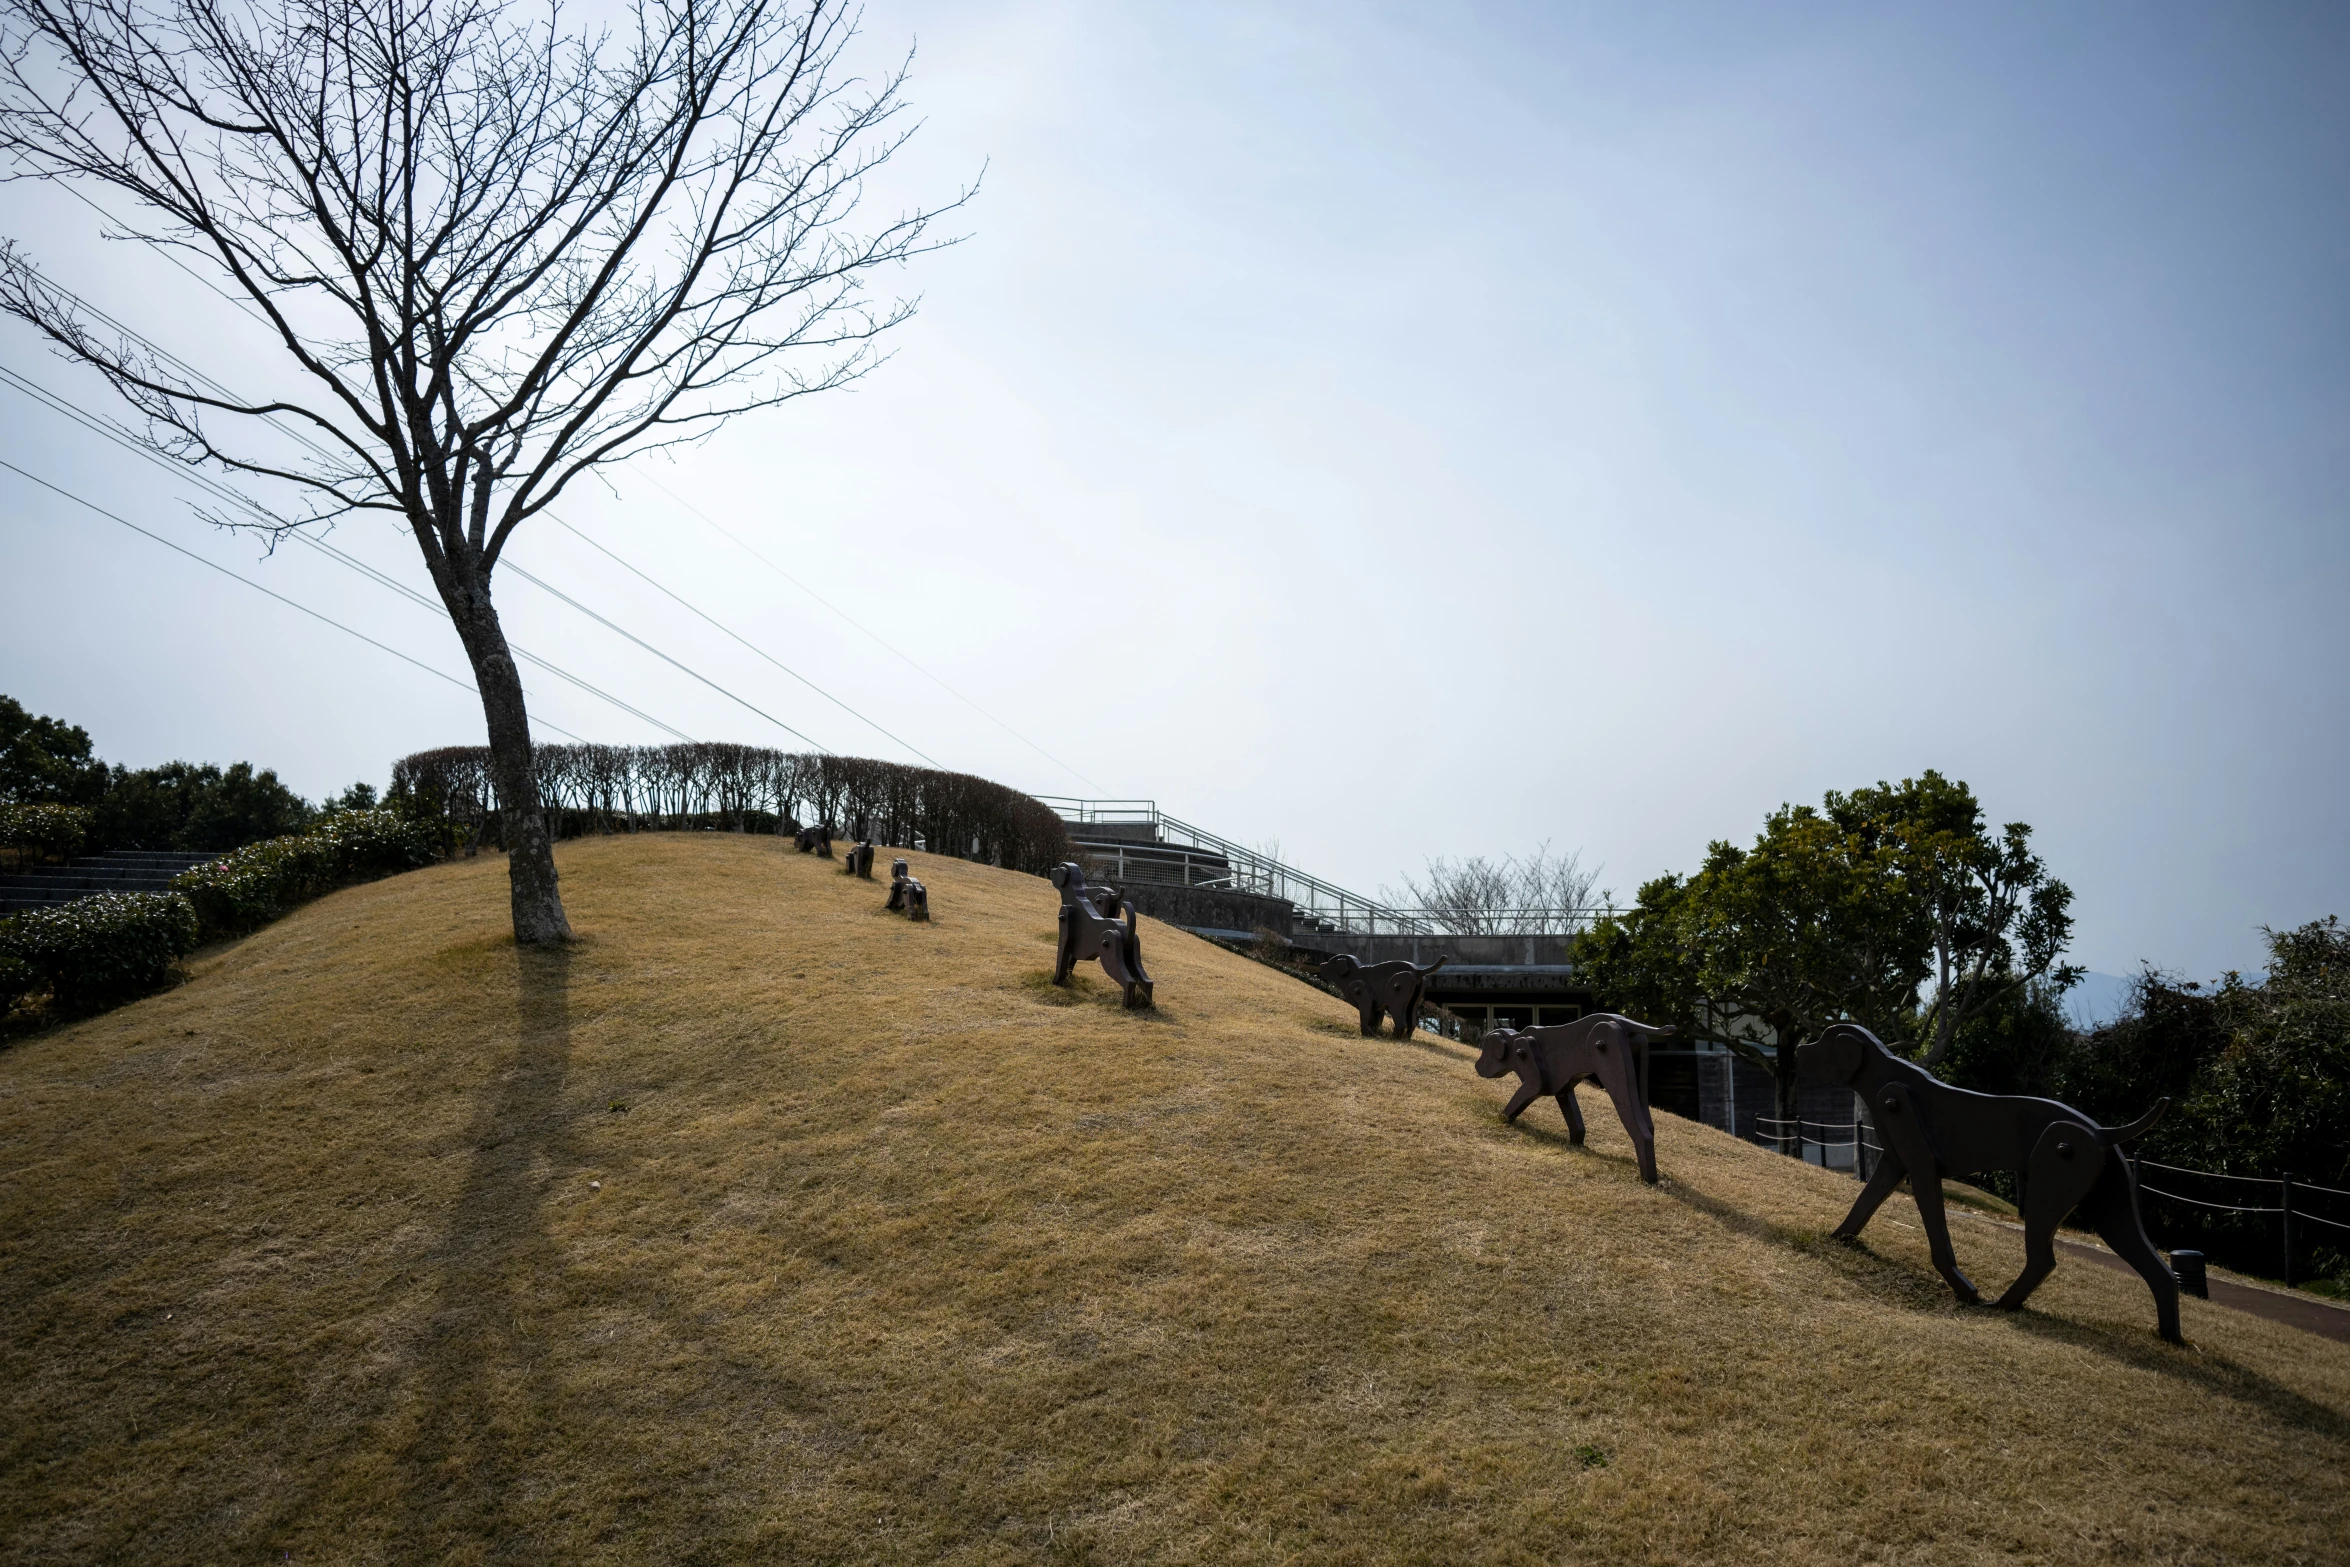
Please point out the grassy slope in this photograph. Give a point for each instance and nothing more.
(900, 1254)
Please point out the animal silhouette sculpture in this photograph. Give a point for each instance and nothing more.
(1604, 1048)
(859, 861)
(905, 893)
(816, 839)
(1091, 931)
(1397, 989)
(1930, 1130)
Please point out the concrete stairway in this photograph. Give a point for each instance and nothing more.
(124, 870)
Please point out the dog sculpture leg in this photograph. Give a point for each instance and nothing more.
(1065, 954)
(1141, 982)
(1872, 1197)
(1573, 1113)
(1403, 1005)
(1905, 1134)
(2112, 1209)
(1620, 1077)
(2058, 1173)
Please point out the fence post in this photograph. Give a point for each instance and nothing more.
(2286, 1181)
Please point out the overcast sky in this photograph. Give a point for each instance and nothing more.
(1401, 432)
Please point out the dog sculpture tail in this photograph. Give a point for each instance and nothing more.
(2122, 1136)
(1442, 958)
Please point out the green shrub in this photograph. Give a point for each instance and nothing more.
(18, 979)
(250, 886)
(208, 809)
(104, 950)
(34, 833)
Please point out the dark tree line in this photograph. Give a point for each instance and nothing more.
(1898, 907)
(2258, 1074)
(199, 807)
(593, 789)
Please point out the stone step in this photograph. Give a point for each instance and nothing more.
(121, 870)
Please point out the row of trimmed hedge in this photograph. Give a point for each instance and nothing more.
(96, 952)
(102, 951)
(34, 833)
(652, 788)
(246, 888)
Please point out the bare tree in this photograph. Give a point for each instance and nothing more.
(1509, 896)
(492, 250)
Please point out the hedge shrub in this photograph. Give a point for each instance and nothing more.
(33, 833)
(98, 951)
(701, 784)
(248, 887)
(18, 979)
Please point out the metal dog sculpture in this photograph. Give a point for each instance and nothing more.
(1930, 1129)
(816, 839)
(904, 891)
(1604, 1048)
(1090, 929)
(1398, 989)
(859, 861)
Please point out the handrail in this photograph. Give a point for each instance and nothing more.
(1319, 900)
(1252, 871)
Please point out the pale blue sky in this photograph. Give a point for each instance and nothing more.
(1448, 430)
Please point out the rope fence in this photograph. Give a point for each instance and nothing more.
(2289, 1213)
(2217, 1207)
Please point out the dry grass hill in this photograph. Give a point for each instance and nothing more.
(764, 1225)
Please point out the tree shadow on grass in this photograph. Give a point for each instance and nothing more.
(486, 1391)
(485, 1440)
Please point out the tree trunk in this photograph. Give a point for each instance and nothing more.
(530, 851)
(1790, 1100)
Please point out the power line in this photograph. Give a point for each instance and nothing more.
(519, 651)
(279, 526)
(105, 427)
(306, 439)
(730, 537)
(745, 641)
(546, 587)
(78, 500)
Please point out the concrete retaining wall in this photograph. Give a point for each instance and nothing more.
(1211, 908)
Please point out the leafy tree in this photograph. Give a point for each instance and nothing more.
(2278, 1096)
(1998, 921)
(488, 251)
(1765, 947)
(2258, 1072)
(2160, 1046)
(1643, 961)
(2019, 1044)
(45, 761)
(1844, 913)
(196, 808)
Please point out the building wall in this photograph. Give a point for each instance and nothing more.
(1529, 951)
(1738, 1097)
(1211, 908)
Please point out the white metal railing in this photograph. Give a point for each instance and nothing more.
(1182, 854)
(1317, 902)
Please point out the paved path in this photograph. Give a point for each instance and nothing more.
(2307, 1312)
